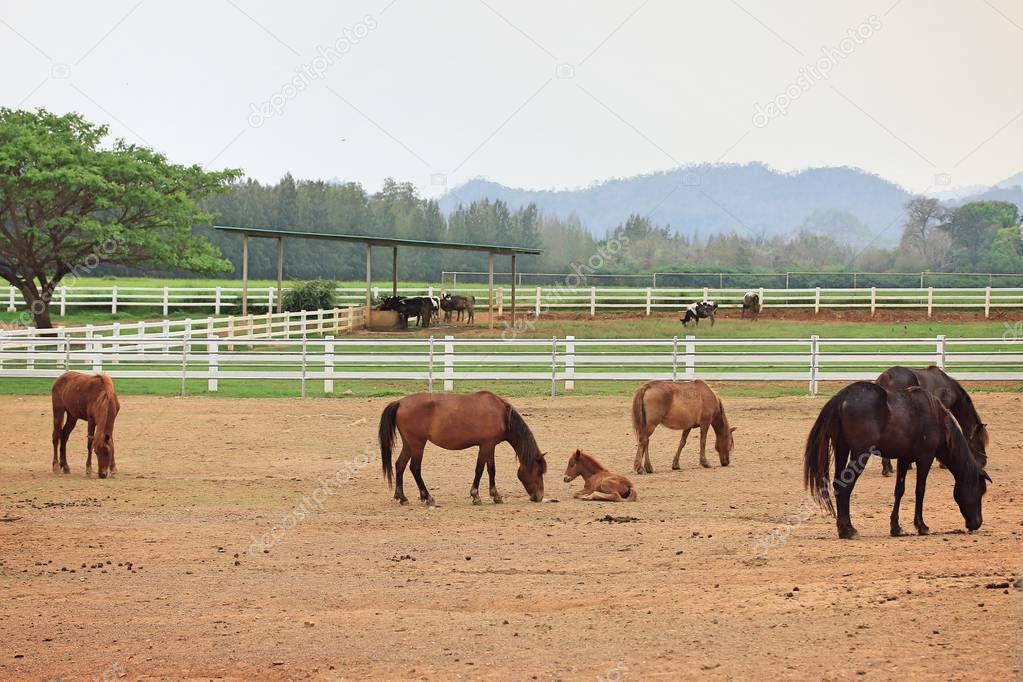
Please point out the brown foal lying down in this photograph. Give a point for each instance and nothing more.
(601, 484)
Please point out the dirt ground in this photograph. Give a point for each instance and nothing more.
(256, 539)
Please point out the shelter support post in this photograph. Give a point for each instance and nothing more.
(490, 292)
(280, 274)
(369, 278)
(245, 275)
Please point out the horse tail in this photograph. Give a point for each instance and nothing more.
(388, 425)
(819, 446)
(639, 412)
(521, 438)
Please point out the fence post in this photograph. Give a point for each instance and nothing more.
(554, 366)
(184, 356)
(116, 334)
(212, 344)
(319, 321)
(67, 350)
(569, 363)
(269, 300)
(304, 361)
(690, 357)
(817, 300)
(500, 302)
(939, 358)
(429, 366)
(166, 300)
(30, 361)
(63, 300)
(113, 300)
(230, 332)
(593, 301)
(987, 302)
(930, 300)
(302, 323)
(706, 293)
(814, 346)
(328, 364)
(648, 301)
(536, 310)
(674, 358)
(10, 299)
(216, 301)
(449, 363)
(873, 300)
(95, 348)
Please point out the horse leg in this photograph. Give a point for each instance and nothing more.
(845, 481)
(900, 488)
(642, 448)
(415, 465)
(681, 444)
(492, 473)
(712, 319)
(65, 433)
(598, 496)
(703, 445)
(886, 466)
(399, 473)
(58, 420)
(474, 491)
(88, 446)
(922, 469)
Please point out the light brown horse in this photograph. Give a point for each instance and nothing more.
(456, 422)
(600, 484)
(683, 405)
(90, 397)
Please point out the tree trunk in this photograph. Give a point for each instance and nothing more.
(38, 307)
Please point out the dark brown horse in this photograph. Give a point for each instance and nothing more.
(910, 426)
(683, 405)
(90, 397)
(951, 394)
(456, 422)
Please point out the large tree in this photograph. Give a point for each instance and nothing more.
(69, 201)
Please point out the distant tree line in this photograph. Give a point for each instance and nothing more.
(981, 236)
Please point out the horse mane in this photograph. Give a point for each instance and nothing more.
(106, 407)
(956, 454)
(590, 459)
(522, 440)
(720, 421)
(964, 408)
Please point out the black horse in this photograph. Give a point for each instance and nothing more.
(951, 394)
(458, 304)
(698, 311)
(421, 307)
(864, 419)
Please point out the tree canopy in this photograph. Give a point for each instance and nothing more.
(69, 202)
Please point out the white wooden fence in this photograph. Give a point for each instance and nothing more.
(171, 332)
(540, 300)
(440, 362)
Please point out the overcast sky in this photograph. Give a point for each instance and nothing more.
(535, 94)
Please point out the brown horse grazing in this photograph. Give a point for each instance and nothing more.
(864, 419)
(90, 397)
(683, 405)
(600, 484)
(951, 394)
(456, 422)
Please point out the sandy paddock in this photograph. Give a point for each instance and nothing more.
(157, 573)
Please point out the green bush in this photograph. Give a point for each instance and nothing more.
(315, 294)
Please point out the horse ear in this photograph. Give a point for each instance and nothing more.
(983, 475)
(734, 428)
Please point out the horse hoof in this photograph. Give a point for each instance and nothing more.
(88, 473)
(402, 501)
(897, 532)
(676, 466)
(887, 473)
(65, 470)
(498, 499)
(923, 530)
(639, 470)
(430, 502)
(705, 465)
(848, 533)
(56, 469)
(477, 501)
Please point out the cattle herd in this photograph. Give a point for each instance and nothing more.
(428, 308)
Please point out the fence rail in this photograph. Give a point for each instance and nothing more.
(443, 361)
(544, 299)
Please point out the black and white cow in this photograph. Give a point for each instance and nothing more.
(697, 311)
(751, 305)
(422, 307)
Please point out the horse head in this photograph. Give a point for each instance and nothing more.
(969, 493)
(531, 471)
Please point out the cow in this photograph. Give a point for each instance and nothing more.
(421, 307)
(458, 304)
(751, 305)
(697, 311)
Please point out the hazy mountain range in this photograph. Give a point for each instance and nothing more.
(752, 199)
